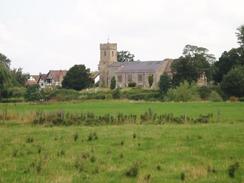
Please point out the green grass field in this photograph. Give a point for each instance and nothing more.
(124, 153)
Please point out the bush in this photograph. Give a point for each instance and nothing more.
(241, 99)
(113, 83)
(215, 97)
(184, 92)
(164, 84)
(17, 92)
(204, 92)
(132, 85)
(116, 94)
(64, 95)
(33, 93)
(233, 99)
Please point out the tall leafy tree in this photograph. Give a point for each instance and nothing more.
(5, 79)
(19, 76)
(4, 60)
(240, 35)
(226, 62)
(230, 59)
(125, 56)
(191, 64)
(233, 82)
(78, 77)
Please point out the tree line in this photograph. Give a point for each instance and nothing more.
(225, 75)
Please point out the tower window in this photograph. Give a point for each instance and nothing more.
(112, 53)
(104, 53)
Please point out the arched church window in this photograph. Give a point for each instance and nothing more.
(104, 53)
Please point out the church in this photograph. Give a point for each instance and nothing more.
(125, 73)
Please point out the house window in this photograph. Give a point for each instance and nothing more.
(140, 78)
(129, 77)
(119, 78)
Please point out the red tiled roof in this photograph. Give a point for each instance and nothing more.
(56, 75)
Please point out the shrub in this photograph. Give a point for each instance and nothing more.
(64, 95)
(113, 83)
(33, 93)
(150, 80)
(204, 92)
(184, 92)
(215, 97)
(164, 84)
(17, 92)
(116, 94)
(241, 99)
(233, 99)
(132, 171)
(132, 84)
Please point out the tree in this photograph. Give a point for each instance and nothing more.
(233, 82)
(164, 84)
(230, 59)
(125, 56)
(4, 60)
(150, 80)
(5, 79)
(78, 77)
(113, 83)
(191, 64)
(19, 76)
(240, 35)
(227, 61)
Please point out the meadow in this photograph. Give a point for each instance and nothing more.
(212, 152)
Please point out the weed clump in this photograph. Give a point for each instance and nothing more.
(133, 170)
(93, 159)
(36, 166)
(147, 177)
(134, 135)
(15, 153)
(232, 169)
(158, 167)
(122, 143)
(182, 176)
(92, 136)
(61, 153)
(29, 140)
(75, 137)
(79, 164)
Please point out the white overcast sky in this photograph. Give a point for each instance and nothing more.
(39, 35)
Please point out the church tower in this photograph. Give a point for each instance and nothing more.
(108, 55)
